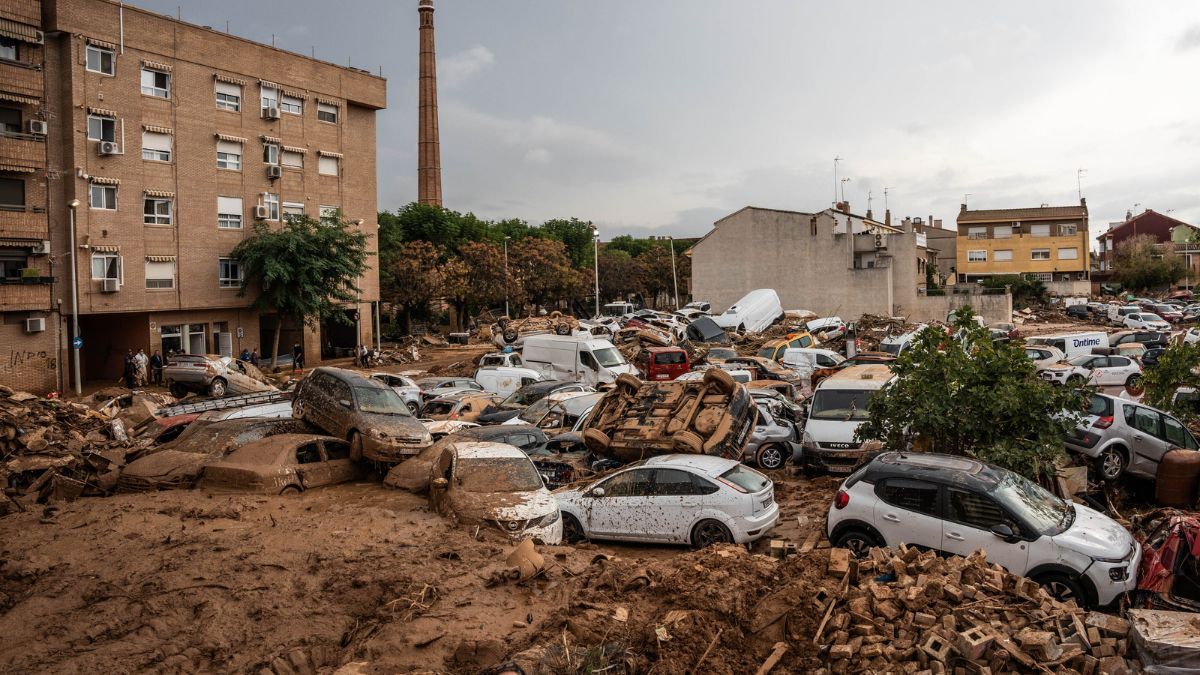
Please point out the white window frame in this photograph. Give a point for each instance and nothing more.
(1034, 254)
(294, 206)
(285, 154)
(153, 90)
(100, 52)
(155, 153)
(103, 258)
(230, 101)
(271, 201)
(159, 270)
(979, 255)
(1002, 232)
(270, 153)
(1068, 229)
(229, 281)
(105, 190)
(229, 218)
(103, 119)
(326, 109)
(329, 213)
(1074, 253)
(322, 165)
(1007, 257)
(229, 160)
(156, 217)
(292, 105)
(268, 97)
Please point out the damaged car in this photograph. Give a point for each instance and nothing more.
(285, 464)
(462, 406)
(413, 474)
(510, 407)
(497, 485)
(511, 332)
(217, 376)
(1169, 576)
(712, 416)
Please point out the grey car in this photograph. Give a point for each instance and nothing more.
(409, 392)
(773, 440)
(1123, 436)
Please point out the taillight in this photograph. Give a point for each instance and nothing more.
(841, 499)
(1103, 422)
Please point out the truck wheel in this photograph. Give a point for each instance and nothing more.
(688, 442)
(216, 388)
(597, 441)
(356, 447)
(719, 379)
(628, 384)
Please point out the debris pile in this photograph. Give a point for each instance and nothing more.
(872, 329)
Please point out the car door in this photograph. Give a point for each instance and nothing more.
(1101, 371)
(908, 511)
(314, 399)
(675, 497)
(309, 465)
(340, 414)
(337, 459)
(1145, 439)
(623, 511)
(970, 517)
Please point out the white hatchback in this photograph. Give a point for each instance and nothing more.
(678, 499)
(1095, 369)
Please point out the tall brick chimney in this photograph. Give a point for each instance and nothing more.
(429, 154)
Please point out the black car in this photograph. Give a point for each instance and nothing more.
(1150, 338)
(1079, 312)
(1151, 356)
(524, 397)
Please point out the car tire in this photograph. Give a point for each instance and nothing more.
(688, 442)
(720, 380)
(628, 384)
(709, 532)
(216, 388)
(1063, 587)
(562, 329)
(356, 446)
(298, 409)
(290, 491)
(1134, 382)
(860, 542)
(413, 408)
(503, 322)
(597, 441)
(572, 531)
(178, 390)
(1111, 464)
(555, 314)
(510, 336)
(770, 457)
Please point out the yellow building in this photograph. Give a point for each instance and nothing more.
(1048, 242)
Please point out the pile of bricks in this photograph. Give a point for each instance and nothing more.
(910, 611)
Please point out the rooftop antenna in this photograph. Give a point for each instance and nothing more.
(885, 198)
(844, 181)
(870, 197)
(965, 198)
(835, 178)
(1079, 181)
(227, 26)
(1135, 207)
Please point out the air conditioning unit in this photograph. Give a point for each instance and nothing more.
(37, 127)
(270, 113)
(109, 148)
(260, 212)
(879, 242)
(40, 248)
(110, 285)
(37, 325)
(274, 171)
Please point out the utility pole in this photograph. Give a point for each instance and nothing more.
(844, 181)
(835, 178)
(596, 263)
(75, 338)
(1079, 181)
(674, 277)
(506, 238)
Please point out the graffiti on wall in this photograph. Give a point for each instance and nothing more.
(19, 359)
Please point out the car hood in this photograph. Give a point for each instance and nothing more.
(168, 464)
(496, 415)
(832, 431)
(505, 505)
(1095, 534)
(396, 426)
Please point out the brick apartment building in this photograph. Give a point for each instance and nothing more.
(174, 139)
(1163, 229)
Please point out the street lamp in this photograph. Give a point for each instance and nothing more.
(674, 277)
(596, 263)
(506, 239)
(74, 204)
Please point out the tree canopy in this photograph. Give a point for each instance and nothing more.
(1142, 264)
(1178, 366)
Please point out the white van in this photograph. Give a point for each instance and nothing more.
(804, 360)
(754, 313)
(1071, 344)
(576, 358)
(504, 380)
(1117, 313)
(835, 411)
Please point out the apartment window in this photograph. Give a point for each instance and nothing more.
(172, 338)
(329, 214)
(327, 166)
(10, 121)
(1040, 276)
(229, 213)
(100, 60)
(156, 211)
(327, 113)
(156, 83)
(271, 153)
(1068, 230)
(270, 97)
(1069, 253)
(160, 274)
(229, 273)
(977, 233)
(291, 105)
(1002, 232)
(1002, 255)
(8, 49)
(102, 128)
(1042, 230)
(272, 203)
(11, 264)
(292, 160)
(103, 197)
(976, 256)
(293, 210)
(156, 147)
(12, 193)
(229, 96)
(1040, 254)
(229, 155)
(106, 266)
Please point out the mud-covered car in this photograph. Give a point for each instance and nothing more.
(713, 416)
(217, 376)
(497, 485)
(413, 474)
(461, 406)
(510, 332)
(283, 464)
(365, 412)
(565, 459)
(524, 397)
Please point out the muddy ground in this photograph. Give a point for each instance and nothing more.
(188, 581)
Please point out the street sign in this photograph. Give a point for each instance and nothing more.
(77, 342)
(241, 333)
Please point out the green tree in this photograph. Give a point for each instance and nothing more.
(634, 247)
(1025, 290)
(1178, 366)
(306, 270)
(543, 270)
(576, 235)
(475, 280)
(972, 397)
(413, 280)
(1141, 264)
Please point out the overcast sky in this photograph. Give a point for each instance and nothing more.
(659, 117)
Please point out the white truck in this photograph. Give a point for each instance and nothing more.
(575, 358)
(1071, 344)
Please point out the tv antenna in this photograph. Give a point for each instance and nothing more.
(1079, 174)
(844, 181)
(835, 178)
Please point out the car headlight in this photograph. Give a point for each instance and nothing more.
(549, 519)
(375, 433)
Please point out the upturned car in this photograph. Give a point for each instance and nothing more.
(461, 406)
(512, 332)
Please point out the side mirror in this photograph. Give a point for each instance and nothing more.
(345, 403)
(440, 484)
(597, 492)
(1004, 532)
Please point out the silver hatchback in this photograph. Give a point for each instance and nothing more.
(1123, 436)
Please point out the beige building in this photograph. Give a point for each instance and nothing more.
(175, 140)
(1048, 242)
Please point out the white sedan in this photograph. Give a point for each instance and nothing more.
(1192, 336)
(679, 499)
(1146, 321)
(1093, 369)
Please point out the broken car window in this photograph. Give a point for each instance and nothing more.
(380, 401)
(337, 450)
(1048, 514)
(746, 478)
(308, 454)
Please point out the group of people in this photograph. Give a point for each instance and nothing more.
(364, 356)
(141, 370)
(250, 356)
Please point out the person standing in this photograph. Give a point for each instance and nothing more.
(297, 357)
(130, 370)
(142, 362)
(254, 357)
(156, 369)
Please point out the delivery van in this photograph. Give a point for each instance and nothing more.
(662, 363)
(754, 313)
(575, 358)
(835, 411)
(1071, 344)
(805, 360)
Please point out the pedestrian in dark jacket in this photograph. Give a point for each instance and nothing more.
(130, 370)
(254, 356)
(297, 357)
(156, 369)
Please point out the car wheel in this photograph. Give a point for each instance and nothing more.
(413, 408)
(1075, 381)
(290, 491)
(562, 329)
(597, 441)
(770, 457)
(628, 384)
(298, 410)
(720, 380)
(510, 336)
(688, 442)
(572, 530)
(356, 446)
(1134, 382)
(216, 388)
(709, 532)
(1110, 464)
(859, 542)
(178, 390)
(555, 314)
(1063, 588)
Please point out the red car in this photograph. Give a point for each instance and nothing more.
(1169, 574)
(658, 364)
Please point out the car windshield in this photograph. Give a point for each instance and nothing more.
(1048, 514)
(523, 398)
(438, 408)
(608, 357)
(892, 348)
(1081, 360)
(840, 404)
(382, 401)
(497, 474)
(767, 352)
(746, 478)
(1151, 317)
(535, 412)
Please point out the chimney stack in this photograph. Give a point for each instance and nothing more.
(429, 153)
(963, 208)
(887, 217)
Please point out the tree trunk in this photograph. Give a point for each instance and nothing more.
(407, 320)
(275, 346)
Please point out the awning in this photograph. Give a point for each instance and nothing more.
(18, 98)
(15, 168)
(160, 258)
(100, 180)
(268, 84)
(20, 243)
(270, 139)
(328, 101)
(165, 194)
(20, 31)
(105, 248)
(290, 148)
(158, 129)
(295, 94)
(231, 80)
(231, 139)
(155, 65)
(102, 111)
(326, 153)
(101, 43)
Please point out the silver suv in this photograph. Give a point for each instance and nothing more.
(1124, 436)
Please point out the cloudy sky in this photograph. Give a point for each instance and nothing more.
(659, 117)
